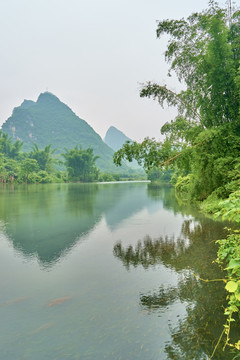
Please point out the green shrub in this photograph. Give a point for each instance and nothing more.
(184, 183)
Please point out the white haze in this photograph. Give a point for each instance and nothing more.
(92, 55)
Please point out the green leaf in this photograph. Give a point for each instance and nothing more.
(231, 286)
(233, 264)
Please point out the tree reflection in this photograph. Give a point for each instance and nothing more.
(149, 252)
(192, 252)
(168, 196)
(161, 299)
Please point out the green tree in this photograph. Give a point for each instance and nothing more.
(10, 154)
(8, 148)
(12, 168)
(204, 139)
(43, 157)
(157, 174)
(15, 150)
(80, 164)
(148, 154)
(28, 166)
(204, 54)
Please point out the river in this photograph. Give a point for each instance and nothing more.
(107, 271)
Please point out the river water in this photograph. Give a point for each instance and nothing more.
(107, 271)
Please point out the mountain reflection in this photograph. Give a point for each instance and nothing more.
(122, 201)
(81, 199)
(47, 220)
(204, 302)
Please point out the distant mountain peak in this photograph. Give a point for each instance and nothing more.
(27, 103)
(115, 138)
(47, 97)
(113, 129)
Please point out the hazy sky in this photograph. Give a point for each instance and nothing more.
(91, 54)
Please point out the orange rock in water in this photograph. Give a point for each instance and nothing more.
(16, 301)
(11, 302)
(43, 327)
(58, 301)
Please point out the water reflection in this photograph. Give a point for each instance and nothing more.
(192, 252)
(148, 252)
(122, 201)
(156, 305)
(81, 200)
(166, 194)
(46, 221)
(195, 335)
(189, 250)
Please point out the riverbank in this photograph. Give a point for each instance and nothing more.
(228, 258)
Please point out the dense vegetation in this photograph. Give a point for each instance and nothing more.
(204, 52)
(39, 165)
(202, 144)
(18, 166)
(81, 164)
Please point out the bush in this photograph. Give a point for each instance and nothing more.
(184, 184)
(105, 177)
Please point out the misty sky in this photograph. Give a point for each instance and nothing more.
(91, 54)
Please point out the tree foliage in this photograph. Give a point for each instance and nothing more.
(149, 153)
(38, 166)
(204, 53)
(43, 157)
(80, 164)
(29, 166)
(229, 260)
(33, 167)
(8, 148)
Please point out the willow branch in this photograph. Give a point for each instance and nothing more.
(220, 337)
(207, 280)
(168, 161)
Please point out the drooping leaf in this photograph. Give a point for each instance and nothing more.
(233, 264)
(231, 286)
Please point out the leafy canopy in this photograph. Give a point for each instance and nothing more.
(204, 54)
(80, 164)
(8, 148)
(204, 139)
(44, 157)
